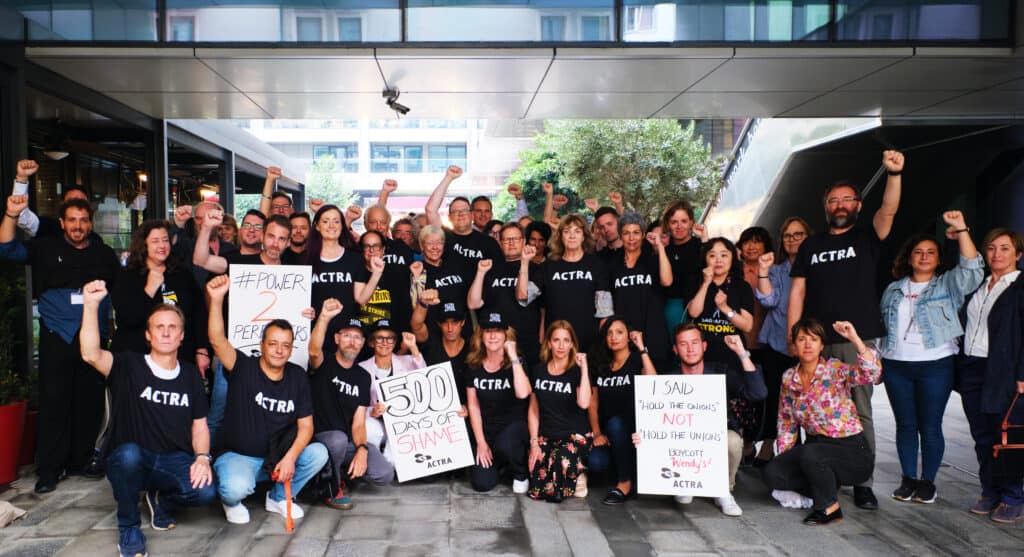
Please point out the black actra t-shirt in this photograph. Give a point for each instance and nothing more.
(337, 279)
(496, 394)
(467, 249)
(154, 413)
(258, 407)
(390, 300)
(434, 353)
(686, 268)
(568, 292)
(338, 392)
(560, 415)
(397, 254)
(639, 300)
(841, 271)
(615, 389)
(499, 295)
(449, 279)
(716, 325)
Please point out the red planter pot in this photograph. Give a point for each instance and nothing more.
(28, 439)
(12, 425)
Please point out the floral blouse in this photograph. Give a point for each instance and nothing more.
(826, 408)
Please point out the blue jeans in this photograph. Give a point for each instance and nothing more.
(131, 469)
(918, 392)
(619, 454)
(218, 402)
(237, 474)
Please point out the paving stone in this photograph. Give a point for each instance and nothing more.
(373, 506)
(422, 550)
(622, 548)
(39, 508)
(306, 547)
(357, 548)
(233, 539)
(320, 522)
(40, 547)
(92, 542)
(70, 522)
(486, 512)
(268, 546)
(727, 532)
(660, 519)
(501, 542)
(363, 527)
(676, 541)
(583, 533)
(616, 523)
(408, 511)
(98, 497)
(463, 489)
(418, 533)
(546, 535)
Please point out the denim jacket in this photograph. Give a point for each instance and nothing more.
(937, 309)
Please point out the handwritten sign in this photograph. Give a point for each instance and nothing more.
(422, 422)
(682, 422)
(261, 293)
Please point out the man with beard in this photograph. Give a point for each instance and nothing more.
(835, 279)
(250, 233)
(70, 390)
(300, 233)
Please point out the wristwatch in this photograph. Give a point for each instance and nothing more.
(362, 446)
(730, 314)
(208, 457)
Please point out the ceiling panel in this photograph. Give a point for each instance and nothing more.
(597, 105)
(985, 103)
(455, 71)
(323, 105)
(731, 105)
(634, 75)
(300, 75)
(789, 74)
(948, 74)
(869, 103)
(139, 74)
(192, 105)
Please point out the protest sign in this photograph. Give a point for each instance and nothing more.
(424, 430)
(261, 293)
(682, 423)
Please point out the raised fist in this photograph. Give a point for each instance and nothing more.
(390, 185)
(331, 307)
(273, 173)
(529, 252)
(182, 214)
(637, 338)
(353, 213)
(93, 292)
(615, 197)
(515, 190)
(766, 261)
(592, 204)
(484, 265)
(25, 169)
(721, 298)
(409, 340)
(430, 297)
(218, 287)
(702, 232)
(734, 343)
(214, 218)
(709, 274)
(559, 201)
(547, 187)
(315, 204)
(510, 349)
(16, 204)
(846, 330)
(453, 172)
(581, 360)
(654, 239)
(954, 219)
(416, 268)
(892, 160)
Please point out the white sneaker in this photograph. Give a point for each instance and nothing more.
(279, 507)
(520, 486)
(792, 499)
(684, 499)
(728, 506)
(237, 514)
(581, 486)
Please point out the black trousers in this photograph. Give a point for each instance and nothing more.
(509, 448)
(773, 365)
(70, 406)
(817, 468)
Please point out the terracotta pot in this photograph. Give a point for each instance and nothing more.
(12, 425)
(29, 438)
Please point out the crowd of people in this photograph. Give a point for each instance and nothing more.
(545, 321)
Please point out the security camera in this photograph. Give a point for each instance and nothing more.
(391, 96)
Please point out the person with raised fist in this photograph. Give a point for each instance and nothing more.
(159, 442)
(685, 239)
(816, 397)
(274, 202)
(919, 347)
(71, 392)
(462, 242)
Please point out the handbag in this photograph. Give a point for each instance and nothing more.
(1005, 433)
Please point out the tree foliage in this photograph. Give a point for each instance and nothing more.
(652, 162)
(538, 166)
(325, 183)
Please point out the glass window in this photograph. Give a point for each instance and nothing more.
(384, 158)
(346, 154)
(639, 18)
(594, 28)
(442, 156)
(552, 28)
(183, 28)
(350, 29)
(309, 29)
(413, 158)
(881, 27)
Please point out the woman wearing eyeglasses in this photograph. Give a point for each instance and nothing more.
(383, 364)
(772, 292)
(390, 299)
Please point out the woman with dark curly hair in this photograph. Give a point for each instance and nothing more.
(920, 310)
(153, 277)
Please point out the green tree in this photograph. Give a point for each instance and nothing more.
(325, 183)
(538, 166)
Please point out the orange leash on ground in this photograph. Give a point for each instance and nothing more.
(289, 523)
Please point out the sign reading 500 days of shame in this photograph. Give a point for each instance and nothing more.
(682, 423)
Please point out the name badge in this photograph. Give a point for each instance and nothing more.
(76, 298)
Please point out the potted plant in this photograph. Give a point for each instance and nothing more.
(31, 431)
(13, 385)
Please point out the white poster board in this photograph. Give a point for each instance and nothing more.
(682, 422)
(423, 427)
(261, 293)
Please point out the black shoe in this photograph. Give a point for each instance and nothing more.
(821, 518)
(925, 492)
(906, 489)
(615, 496)
(45, 485)
(864, 498)
(555, 497)
(94, 470)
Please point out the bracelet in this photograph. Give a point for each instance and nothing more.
(644, 351)
(15, 217)
(968, 229)
(745, 355)
(362, 446)
(896, 173)
(763, 276)
(516, 362)
(535, 442)
(208, 457)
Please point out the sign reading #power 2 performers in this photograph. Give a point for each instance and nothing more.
(261, 293)
(683, 426)
(426, 433)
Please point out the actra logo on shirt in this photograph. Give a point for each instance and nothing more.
(274, 405)
(164, 397)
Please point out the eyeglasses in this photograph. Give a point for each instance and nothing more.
(368, 247)
(459, 212)
(512, 240)
(252, 226)
(844, 200)
(384, 339)
(794, 236)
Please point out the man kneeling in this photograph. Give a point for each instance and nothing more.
(268, 405)
(158, 430)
